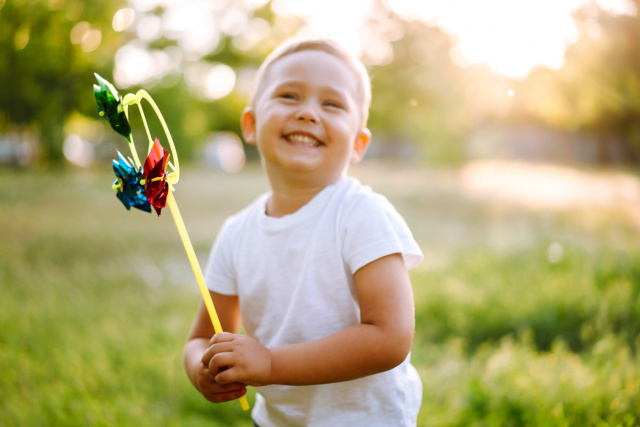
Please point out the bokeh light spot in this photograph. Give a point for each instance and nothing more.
(123, 19)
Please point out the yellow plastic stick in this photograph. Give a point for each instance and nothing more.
(173, 178)
(173, 206)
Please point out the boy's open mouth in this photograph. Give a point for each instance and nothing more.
(302, 139)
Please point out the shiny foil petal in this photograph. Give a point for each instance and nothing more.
(155, 167)
(110, 107)
(130, 190)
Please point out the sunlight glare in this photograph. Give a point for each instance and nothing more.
(92, 40)
(210, 81)
(257, 29)
(135, 64)
(219, 82)
(143, 5)
(426, 11)
(254, 4)
(547, 186)
(224, 150)
(123, 19)
(234, 21)
(338, 19)
(79, 31)
(78, 151)
(511, 36)
(132, 65)
(618, 7)
(149, 28)
(193, 27)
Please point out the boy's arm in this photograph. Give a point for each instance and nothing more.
(380, 342)
(228, 310)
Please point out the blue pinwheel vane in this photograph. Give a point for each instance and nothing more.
(152, 184)
(130, 184)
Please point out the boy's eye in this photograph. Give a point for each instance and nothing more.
(333, 104)
(287, 95)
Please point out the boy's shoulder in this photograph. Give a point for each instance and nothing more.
(363, 197)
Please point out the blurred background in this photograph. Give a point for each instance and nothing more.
(452, 81)
(507, 132)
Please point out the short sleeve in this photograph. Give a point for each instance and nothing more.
(220, 273)
(374, 229)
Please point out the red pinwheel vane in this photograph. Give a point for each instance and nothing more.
(156, 187)
(152, 185)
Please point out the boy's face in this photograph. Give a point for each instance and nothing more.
(307, 120)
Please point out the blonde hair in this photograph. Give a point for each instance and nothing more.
(324, 45)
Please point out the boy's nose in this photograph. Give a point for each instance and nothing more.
(307, 113)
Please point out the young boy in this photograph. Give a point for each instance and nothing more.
(316, 269)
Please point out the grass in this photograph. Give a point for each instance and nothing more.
(95, 303)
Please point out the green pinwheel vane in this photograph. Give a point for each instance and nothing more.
(152, 184)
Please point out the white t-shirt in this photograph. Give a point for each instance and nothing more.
(294, 280)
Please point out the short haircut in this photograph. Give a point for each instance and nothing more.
(324, 45)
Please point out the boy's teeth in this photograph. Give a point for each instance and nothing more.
(304, 140)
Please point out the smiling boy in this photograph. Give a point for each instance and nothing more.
(315, 269)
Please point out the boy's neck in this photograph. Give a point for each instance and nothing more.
(287, 197)
(281, 204)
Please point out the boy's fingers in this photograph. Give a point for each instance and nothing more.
(206, 357)
(215, 349)
(226, 396)
(216, 388)
(225, 377)
(220, 361)
(221, 337)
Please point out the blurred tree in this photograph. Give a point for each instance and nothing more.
(48, 52)
(417, 97)
(607, 93)
(598, 88)
(191, 114)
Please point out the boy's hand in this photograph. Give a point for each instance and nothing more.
(238, 359)
(214, 392)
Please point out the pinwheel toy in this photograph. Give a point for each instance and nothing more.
(149, 185)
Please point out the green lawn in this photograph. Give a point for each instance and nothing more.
(95, 303)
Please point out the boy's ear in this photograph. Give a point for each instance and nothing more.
(360, 145)
(248, 123)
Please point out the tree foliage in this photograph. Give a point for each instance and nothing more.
(46, 76)
(597, 91)
(49, 50)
